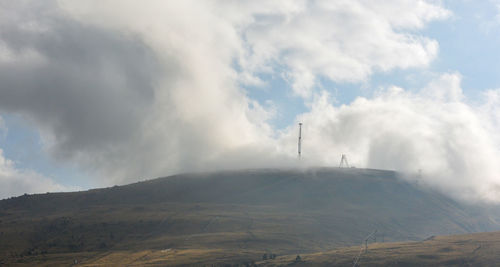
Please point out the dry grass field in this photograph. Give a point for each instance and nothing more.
(479, 249)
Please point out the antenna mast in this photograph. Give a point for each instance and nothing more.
(300, 139)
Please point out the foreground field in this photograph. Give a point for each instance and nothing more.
(480, 249)
(166, 257)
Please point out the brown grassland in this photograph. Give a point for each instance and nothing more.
(479, 249)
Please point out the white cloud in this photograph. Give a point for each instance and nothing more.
(337, 40)
(445, 88)
(455, 143)
(340, 40)
(199, 114)
(14, 181)
(142, 93)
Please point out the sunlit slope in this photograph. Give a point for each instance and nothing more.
(478, 249)
(283, 211)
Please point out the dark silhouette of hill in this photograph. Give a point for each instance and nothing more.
(283, 211)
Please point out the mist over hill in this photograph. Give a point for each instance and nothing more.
(284, 211)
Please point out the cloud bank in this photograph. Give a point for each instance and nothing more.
(454, 144)
(159, 88)
(14, 181)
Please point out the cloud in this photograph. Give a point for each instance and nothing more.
(455, 144)
(14, 181)
(86, 88)
(219, 45)
(343, 41)
(159, 88)
(3, 128)
(123, 103)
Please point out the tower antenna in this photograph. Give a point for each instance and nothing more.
(300, 139)
(343, 162)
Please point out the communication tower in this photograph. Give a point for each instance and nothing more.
(343, 162)
(300, 139)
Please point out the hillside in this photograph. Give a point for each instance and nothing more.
(238, 214)
(479, 249)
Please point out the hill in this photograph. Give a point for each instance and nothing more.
(230, 216)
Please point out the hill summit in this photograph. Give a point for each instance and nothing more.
(283, 211)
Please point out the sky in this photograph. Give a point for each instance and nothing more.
(104, 92)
